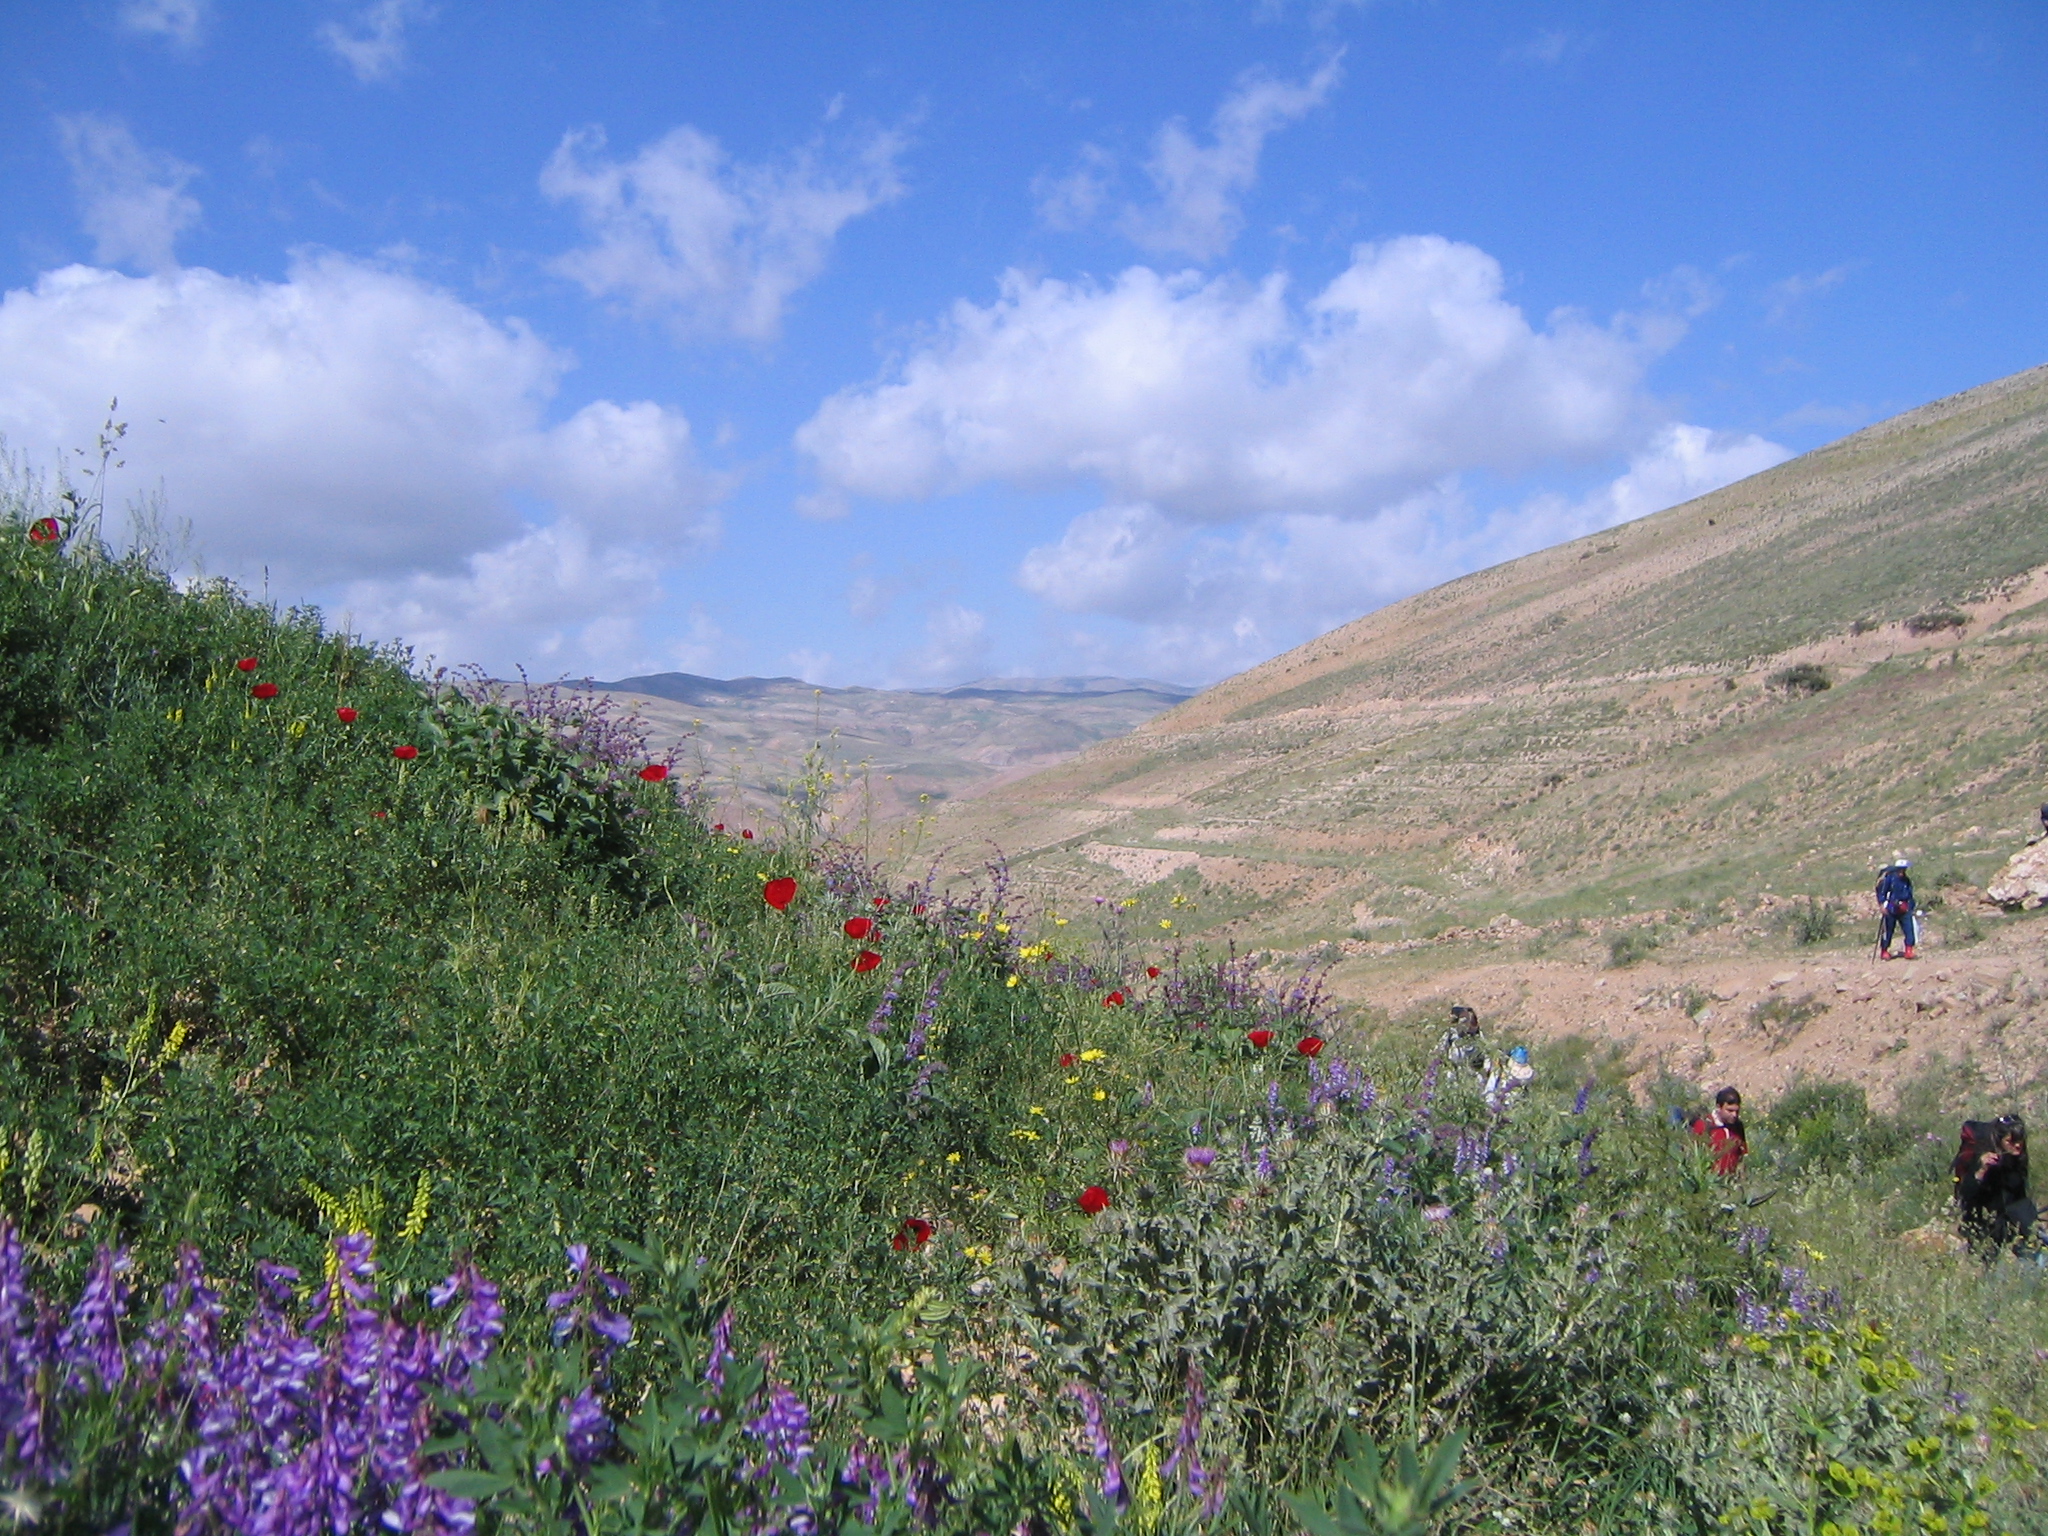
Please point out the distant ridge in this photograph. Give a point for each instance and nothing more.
(689, 688)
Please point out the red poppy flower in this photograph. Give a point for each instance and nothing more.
(1094, 1200)
(345, 715)
(859, 927)
(779, 893)
(748, 836)
(866, 960)
(406, 753)
(718, 826)
(1114, 1000)
(246, 664)
(918, 910)
(654, 773)
(265, 690)
(914, 1233)
(44, 530)
(1310, 1045)
(1068, 1058)
(380, 815)
(881, 902)
(1261, 1038)
(1152, 971)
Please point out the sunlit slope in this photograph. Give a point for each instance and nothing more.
(1596, 723)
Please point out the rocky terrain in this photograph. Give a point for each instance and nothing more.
(1596, 788)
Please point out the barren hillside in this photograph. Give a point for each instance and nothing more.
(1678, 729)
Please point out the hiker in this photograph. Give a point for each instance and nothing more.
(1723, 1132)
(1990, 1174)
(1504, 1079)
(1895, 902)
(1459, 1046)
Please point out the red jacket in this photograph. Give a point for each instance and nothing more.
(1727, 1141)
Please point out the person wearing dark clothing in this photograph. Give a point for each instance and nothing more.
(1723, 1132)
(1895, 902)
(1991, 1183)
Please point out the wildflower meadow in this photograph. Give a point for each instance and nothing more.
(426, 1111)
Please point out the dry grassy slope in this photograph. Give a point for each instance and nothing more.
(1589, 732)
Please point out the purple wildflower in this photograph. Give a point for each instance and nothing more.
(586, 1430)
(1685, 1290)
(1756, 1317)
(866, 1470)
(879, 1023)
(921, 1087)
(1585, 1094)
(1186, 1458)
(1098, 1441)
(1586, 1164)
(921, 1027)
(784, 1430)
(91, 1340)
(1752, 1239)
(1273, 1095)
(1265, 1167)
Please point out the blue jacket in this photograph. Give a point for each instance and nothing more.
(1895, 891)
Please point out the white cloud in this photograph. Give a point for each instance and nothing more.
(1786, 298)
(1197, 187)
(353, 425)
(1203, 604)
(179, 22)
(372, 43)
(132, 201)
(1212, 400)
(681, 230)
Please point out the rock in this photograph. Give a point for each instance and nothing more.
(2024, 880)
(1783, 979)
(1932, 1238)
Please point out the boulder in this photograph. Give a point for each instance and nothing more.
(2024, 880)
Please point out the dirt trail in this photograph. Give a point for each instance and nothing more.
(1762, 1021)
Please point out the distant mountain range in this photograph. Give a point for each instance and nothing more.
(895, 755)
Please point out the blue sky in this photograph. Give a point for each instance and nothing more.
(909, 344)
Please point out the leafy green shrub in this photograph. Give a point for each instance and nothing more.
(1632, 945)
(1814, 921)
(1804, 677)
(1936, 620)
(1823, 1126)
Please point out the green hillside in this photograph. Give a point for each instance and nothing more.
(820, 1203)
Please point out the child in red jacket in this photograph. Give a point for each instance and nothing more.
(1723, 1131)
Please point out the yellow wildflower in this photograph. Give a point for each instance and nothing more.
(1059, 922)
(1166, 922)
(1037, 1110)
(952, 1157)
(1100, 1095)
(1012, 981)
(1024, 1135)
(1002, 927)
(1072, 1080)
(1093, 1054)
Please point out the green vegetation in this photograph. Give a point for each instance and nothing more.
(1076, 1230)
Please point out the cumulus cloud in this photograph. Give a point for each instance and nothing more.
(131, 200)
(1202, 603)
(372, 42)
(353, 426)
(178, 22)
(1197, 187)
(1211, 399)
(713, 245)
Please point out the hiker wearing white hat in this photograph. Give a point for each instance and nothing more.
(1895, 904)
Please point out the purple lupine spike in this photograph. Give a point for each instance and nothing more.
(1186, 1457)
(867, 1471)
(784, 1430)
(721, 1348)
(878, 1023)
(1751, 1239)
(1586, 1164)
(1099, 1442)
(1273, 1095)
(586, 1429)
(921, 1086)
(1585, 1094)
(1265, 1166)
(920, 1027)
(91, 1340)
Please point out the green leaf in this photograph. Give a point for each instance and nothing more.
(465, 1484)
